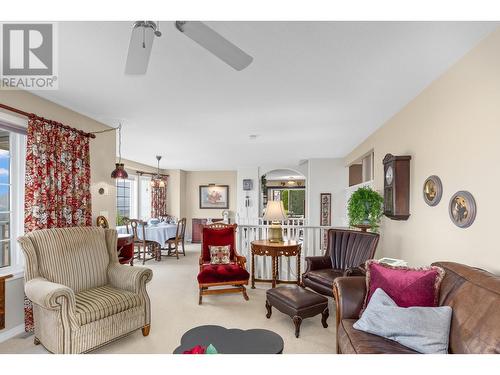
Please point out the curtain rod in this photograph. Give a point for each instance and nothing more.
(151, 173)
(29, 115)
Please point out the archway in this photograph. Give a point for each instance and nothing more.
(287, 185)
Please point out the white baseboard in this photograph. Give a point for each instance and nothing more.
(10, 333)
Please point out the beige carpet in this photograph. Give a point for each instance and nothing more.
(174, 302)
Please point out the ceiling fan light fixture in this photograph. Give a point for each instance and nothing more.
(141, 43)
(157, 180)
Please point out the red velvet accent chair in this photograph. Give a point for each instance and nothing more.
(233, 274)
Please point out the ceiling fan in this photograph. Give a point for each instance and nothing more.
(144, 32)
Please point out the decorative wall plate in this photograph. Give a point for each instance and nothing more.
(462, 209)
(433, 190)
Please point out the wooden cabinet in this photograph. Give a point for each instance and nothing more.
(197, 224)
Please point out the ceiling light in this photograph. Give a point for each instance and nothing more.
(157, 180)
(119, 171)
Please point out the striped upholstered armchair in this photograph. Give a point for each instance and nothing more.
(82, 297)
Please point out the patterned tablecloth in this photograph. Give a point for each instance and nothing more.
(159, 233)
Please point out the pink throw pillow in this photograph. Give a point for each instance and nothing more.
(406, 286)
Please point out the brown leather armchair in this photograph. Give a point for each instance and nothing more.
(345, 255)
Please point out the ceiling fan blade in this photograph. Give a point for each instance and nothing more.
(139, 49)
(215, 43)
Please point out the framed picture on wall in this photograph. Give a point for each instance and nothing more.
(214, 196)
(325, 209)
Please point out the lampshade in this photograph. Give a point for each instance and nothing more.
(157, 182)
(275, 211)
(119, 171)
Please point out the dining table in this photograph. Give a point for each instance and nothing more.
(159, 233)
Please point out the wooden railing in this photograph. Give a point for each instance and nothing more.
(312, 239)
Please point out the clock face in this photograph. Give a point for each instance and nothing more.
(389, 175)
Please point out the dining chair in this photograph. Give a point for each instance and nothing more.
(166, 217)
(147, 247)
(174, 243)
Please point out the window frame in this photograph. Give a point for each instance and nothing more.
(133, 195)
(140, 214)
(136, 209)
(17, 172)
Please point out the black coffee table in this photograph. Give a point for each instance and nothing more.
(232, 341)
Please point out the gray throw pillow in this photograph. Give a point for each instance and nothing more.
(423, 329)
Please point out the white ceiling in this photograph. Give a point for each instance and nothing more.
(283, 174)
(314, 89)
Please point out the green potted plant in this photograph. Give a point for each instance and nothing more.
(365, 208)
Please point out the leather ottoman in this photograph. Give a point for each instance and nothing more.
(298, 303)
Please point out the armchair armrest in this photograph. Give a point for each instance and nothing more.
(133, 279)
(349, 295)
(356, 271)
(49, 295)
(317, 263)
(241, 260)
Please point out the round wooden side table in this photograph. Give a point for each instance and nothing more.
(275, 250)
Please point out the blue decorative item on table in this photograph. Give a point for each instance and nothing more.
(154, 221)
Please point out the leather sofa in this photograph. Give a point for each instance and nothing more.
(473, 294)
(346, 251)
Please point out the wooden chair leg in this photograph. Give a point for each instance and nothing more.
(146, 329)
(245, 295)
(297, 320)
(269, 309)
(183, 250)
(324, 317)
(36, 341)
(177, 250)
(200, 297)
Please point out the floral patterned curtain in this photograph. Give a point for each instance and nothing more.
(159, 197)
(57, 187)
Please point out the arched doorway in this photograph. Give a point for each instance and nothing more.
(287, 185)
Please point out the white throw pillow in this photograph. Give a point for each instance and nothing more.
(423, 329)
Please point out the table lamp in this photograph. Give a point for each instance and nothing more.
(275, 213)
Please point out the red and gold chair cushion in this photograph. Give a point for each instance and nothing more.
(219, 273)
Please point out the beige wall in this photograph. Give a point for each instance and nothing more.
(452, 129)
(174, 192)
(102, 158)
(190, 203)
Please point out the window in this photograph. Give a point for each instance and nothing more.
(133, 198)
(12, 159)
(294, 200)
(5, 213)
(125, 200)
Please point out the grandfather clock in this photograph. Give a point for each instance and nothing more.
(397, 187)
